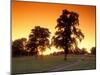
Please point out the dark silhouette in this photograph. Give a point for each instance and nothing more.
(67, 31)
(93, 50)
(18, 47)
(38, 40)
(84, 51)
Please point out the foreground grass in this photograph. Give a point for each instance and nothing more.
(48, 63)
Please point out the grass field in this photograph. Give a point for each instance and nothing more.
(52, 63)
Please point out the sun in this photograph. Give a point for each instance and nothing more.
(49, 51)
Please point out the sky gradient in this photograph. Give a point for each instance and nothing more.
(26, 15)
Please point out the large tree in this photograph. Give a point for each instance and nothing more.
(68, 32)
(38, 40)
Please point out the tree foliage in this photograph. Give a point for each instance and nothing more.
(93, 50)
(38, 39)
(18, 47)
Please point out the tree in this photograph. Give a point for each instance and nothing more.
(68, 33)
(84, 51)
(93, 50)
(18, 47)
(38, 40)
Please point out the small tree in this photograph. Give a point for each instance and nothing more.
(18, 47)
(93, 50)
(68, 33)
(38, 40)
(84, 51)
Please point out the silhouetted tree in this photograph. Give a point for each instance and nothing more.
(93, 50)
(67, 32)
(18, 47)
(84, 51)
(38, 40)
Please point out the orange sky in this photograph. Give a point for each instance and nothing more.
(26, 15)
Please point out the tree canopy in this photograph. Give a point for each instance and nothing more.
(38, 39)
(18, 47)
(93, 50)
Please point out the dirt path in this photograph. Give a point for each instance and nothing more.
(63, 67)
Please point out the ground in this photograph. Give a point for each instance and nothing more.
(50, 63)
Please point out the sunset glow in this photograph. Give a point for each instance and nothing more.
(27, 15)
(51, 50)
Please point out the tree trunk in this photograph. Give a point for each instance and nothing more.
(66, 53)
(36, 55)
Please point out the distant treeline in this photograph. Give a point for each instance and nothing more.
(19, 48)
